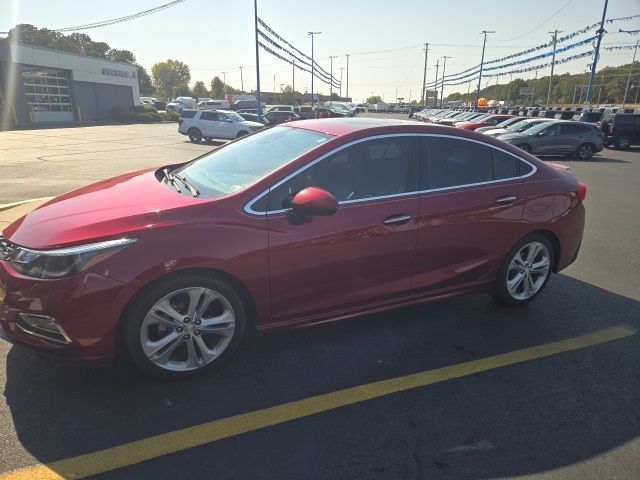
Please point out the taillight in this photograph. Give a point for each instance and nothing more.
(581, 191)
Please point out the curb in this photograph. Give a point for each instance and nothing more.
(7, 206)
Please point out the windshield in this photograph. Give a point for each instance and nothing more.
(509, 122)
(519, 124)
(521, 127)
(241, 163)
(234, 116)
(537, 128)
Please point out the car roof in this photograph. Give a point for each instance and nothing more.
(344, 126)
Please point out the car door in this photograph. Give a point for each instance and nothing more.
(207, 124)
(471, 204)
(362, 253)
(228, 128)
(547, 141)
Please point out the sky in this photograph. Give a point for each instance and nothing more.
(215, 36)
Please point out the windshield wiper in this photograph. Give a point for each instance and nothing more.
(194, 191)
(171, 180)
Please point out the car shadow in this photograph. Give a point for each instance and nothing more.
(517, 420)
(215, 143)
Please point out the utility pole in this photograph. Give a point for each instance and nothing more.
(224, 84)
(468, 88)
(600, 89)
(444, 67)
(293, 73)
(435, 100)
(340, 94)
(553, 61)
(259, 104)
(347, 76)
(533, 89)
(331, 83)
(484, 44)
(424, 76)
(241, 80)
(587, 99)
(313, 72)
(626, 88)
(509, 89)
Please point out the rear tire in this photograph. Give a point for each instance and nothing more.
(195, 135)
(525, 147)
(585, 151)
(623, 142)
(525, 271)
(164, 343)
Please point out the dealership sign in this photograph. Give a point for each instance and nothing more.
(114, 72)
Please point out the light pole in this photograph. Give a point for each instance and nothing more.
(587, 99)
(626, 88)
(340, 94)
(258, 102)
(554, 35)
(509, 89)
(444, 67)
(424, 75)
(224, 84)
(435, 87)
(241, 80)
(293, 74)
(484, 44)
(313, 72)
(347, 75)
(331, 83)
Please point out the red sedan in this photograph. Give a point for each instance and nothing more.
(488, 121)
(311, 222)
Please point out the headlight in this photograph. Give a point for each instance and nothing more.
(64, 262)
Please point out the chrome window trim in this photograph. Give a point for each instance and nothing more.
(249, 204)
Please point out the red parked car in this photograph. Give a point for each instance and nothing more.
(311, 222)
(488, 121)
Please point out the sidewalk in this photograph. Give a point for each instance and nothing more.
(9, 213)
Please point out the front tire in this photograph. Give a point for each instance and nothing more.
(195, 135)
(184, 326)
(242, 133)
(525, 147)
(525, 271)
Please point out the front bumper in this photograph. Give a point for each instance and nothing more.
(87, 307)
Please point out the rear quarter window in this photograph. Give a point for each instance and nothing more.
(188, 113)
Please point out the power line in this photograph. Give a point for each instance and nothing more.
(531, 31)
(113, 21)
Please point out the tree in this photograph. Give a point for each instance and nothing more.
(374, 99)
(217, 87)
(199, 90)
(171, 77)
(121, 56)
(335, 96)
(144, 81)
(288, 96)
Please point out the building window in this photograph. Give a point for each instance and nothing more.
(47, 90)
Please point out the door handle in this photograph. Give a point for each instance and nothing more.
(396, 220)
(506, 199)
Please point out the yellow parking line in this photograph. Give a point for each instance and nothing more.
(185, 438)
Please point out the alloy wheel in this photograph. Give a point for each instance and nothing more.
(624, 142)
(585, 151)
(528, 270)
(187, 329)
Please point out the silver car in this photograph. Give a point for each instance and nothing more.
(559, 137)
(517, 127)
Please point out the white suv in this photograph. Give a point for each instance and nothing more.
(210, 124)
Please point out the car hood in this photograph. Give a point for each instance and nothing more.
(113, 207)
(494, 131)
(249, 123)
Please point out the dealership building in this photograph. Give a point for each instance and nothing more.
(41, 85)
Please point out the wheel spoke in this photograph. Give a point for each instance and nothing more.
(529, 286)
(205, 353)
(512, 285)
(195, 296)
(169, 316)
(223, 324)
(161, 350)
(541, 267)
(193, 360)
(534, 249)
(208, 298)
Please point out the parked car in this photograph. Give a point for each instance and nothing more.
(159, 104)
(486, 121)
(281, 108)
(621, 130)
(253, 117)
(305, 112)
(210, 124)
(307, 223)
(246, 104)
(277, 116)
(179, 103)
(213, 104)
(558, 137)
(522, 125)
(326, 112)
(503, 125)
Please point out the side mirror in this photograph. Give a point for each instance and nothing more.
(541, 134)
(313, 201)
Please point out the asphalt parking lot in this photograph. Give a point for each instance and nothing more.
(416, 393)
